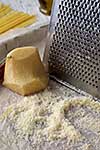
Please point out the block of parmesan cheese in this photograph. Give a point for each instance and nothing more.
(24, 72)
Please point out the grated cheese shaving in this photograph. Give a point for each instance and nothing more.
(56, 122)
(46, 117)
(87, 147)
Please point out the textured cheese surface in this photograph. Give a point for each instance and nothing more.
(27, 73)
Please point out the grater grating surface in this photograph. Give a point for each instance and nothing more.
(74, 43)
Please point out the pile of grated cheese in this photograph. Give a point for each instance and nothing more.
(46, 117)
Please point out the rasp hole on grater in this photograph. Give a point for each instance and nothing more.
(74, 50)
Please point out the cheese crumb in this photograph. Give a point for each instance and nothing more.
(48, 118)
(57, 122)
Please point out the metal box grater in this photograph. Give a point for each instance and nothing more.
(73, 45)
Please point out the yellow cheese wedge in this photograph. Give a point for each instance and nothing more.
(24, 71)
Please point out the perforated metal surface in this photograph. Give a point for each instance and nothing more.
(74, 43)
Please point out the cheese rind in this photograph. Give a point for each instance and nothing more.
(24, 71)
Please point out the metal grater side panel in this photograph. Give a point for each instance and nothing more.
(74, 43)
